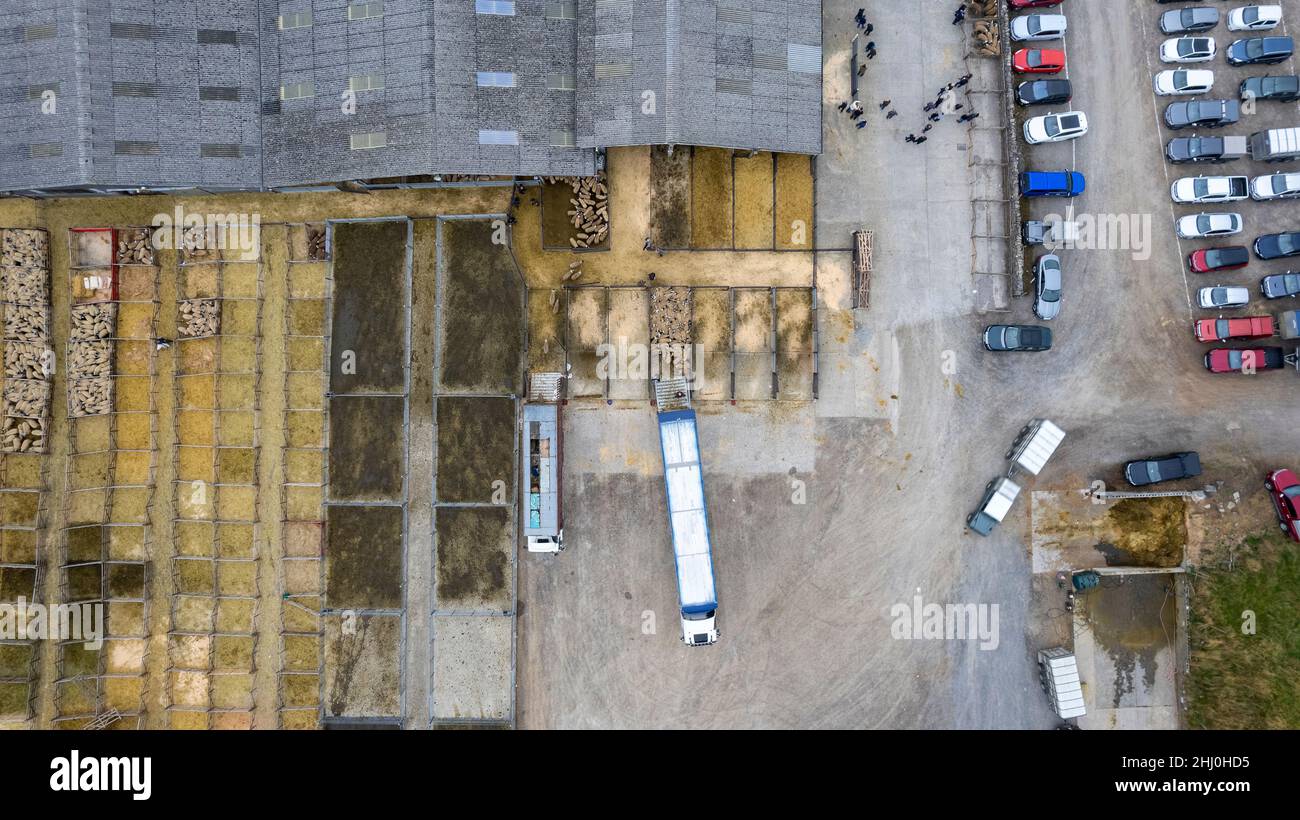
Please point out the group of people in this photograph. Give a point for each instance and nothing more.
(944, 103)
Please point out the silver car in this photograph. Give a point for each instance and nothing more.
(1047, 286)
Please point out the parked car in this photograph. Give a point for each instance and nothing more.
(1038, 60)
(1187, 50)
(1047, 287)
(1275, 87)
(1280, 285)
(1277, 245)
(1254, 18)
(1202, 113)
(1028, 338)
(1193, 18)
(1178, 81)
(1219, 297)
(1043, 92)
(1284, 488)
(1209, 189)
(1051, 183)
(1248, 360)
(1275, 186)
(1224, 330)
(1198, 226)
(1056, 127)
(1162, 468)
(1033, 28)
(1206, 149)
(1209, 260)
(1260, 50)
(1052, 231)
(1033, 4)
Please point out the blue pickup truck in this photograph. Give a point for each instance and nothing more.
(1051, 183)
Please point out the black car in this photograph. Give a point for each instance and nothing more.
(1195, 18)
(1162, 468)
(1277, 245)
(1196, 149)
(1280, 88)
(1043, 92)
(1280, 285)
(1017, 337)
(1258, 50)
(1202, 113)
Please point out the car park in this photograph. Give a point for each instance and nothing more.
(1284, 488)
(1051, 183)
(1275, 87)
(1047, 287)
(1162, 468)
(1202, 113)
(1248, 360)
(1209, 260)
(1198, 226)
(1187, 50)
(1024, 338)
(1260, 50)
(1206, 149)
(1033, 28)
(1043, 92)
(1224, 330)
(1193, 18)
(1275, 186)
(1254, 18)
(1219, 297)
(1038, 60)
(1056, 127)
(1209, 189)
(1280, 285)
(1277, 245)
(1180, 81)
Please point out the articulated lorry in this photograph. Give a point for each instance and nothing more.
(543, 470)
(689, 520)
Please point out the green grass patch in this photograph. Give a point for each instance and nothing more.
(1240, 680)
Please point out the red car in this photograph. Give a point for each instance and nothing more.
(1244, 327)
(1209, 260)
(1284, 489)
(1246, 360)
(1038, 60)
(1033, 4)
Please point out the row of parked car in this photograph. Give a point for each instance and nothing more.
(1191, 45)
(1051, 127)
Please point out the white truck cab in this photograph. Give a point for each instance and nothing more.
(700, 628)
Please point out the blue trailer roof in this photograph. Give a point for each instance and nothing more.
(684, 481)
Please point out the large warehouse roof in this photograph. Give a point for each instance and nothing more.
(254, 94)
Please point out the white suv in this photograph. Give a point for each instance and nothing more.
(1183, 81)
(1056, 127)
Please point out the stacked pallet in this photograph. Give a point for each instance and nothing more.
(28, 359)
